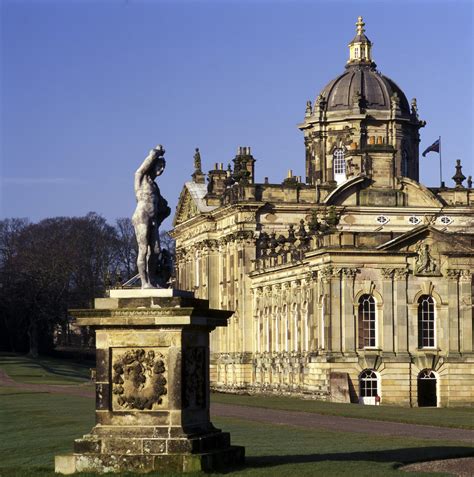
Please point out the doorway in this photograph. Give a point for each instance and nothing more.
(427, 393)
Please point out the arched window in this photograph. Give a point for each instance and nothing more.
(368, 383)
(339, 165)
(426, 322)
(367, 322)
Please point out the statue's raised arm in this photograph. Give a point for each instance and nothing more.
(151, 210)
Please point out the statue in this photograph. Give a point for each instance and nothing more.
(197, 160)
(152, 209)
(425, 263)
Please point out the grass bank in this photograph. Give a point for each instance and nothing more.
(37, 426)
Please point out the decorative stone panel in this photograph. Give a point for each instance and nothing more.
(138, 378)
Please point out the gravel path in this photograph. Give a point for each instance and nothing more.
(463, 467)
(288, 418)
(343, 424)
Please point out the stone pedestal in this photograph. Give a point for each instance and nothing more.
(152, 387)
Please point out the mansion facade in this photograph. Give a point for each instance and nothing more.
(354, 284)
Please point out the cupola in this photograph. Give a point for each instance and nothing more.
(360, 48)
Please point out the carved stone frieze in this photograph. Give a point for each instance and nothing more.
(212, 244)
(387, 273)
(138, 379)
(247, 216)
(194, 377)
(453, 274)
(326, 273)
(400, 273)
(348, 273)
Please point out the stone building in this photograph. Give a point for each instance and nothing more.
(356, 283)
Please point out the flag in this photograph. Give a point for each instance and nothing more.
(434, 147)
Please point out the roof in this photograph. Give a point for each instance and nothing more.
(375, 88)
(198, 192)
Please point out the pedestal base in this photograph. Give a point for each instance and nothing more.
(152, 387)
(209, 452)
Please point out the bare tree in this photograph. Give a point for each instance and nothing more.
(127, 248)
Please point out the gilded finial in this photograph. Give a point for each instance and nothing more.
(360, 26)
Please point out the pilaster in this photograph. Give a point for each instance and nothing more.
(401, 326)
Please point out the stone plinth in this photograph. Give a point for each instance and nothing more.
(152, 387)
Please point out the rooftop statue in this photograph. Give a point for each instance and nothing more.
(152, 209)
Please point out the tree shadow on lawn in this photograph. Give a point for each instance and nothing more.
(398, 456)
(81, 373)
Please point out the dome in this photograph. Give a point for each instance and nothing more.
(374, 88)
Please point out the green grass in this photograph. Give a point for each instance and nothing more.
(45, 370)
(443, 417)
(38, 426)
(57, 371)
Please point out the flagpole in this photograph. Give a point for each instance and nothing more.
(440, 166)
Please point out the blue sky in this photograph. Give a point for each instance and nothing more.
(88, 87)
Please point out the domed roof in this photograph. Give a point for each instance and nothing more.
(374, 89)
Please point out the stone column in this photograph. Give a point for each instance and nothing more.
(152, 387)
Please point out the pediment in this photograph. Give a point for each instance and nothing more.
(429, 248)
(191, 202)
(440, 242)
(186, 208)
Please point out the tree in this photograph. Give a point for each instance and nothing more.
(9, 231)
(127, 248)
(48, 267)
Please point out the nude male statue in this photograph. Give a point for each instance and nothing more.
(151, 210)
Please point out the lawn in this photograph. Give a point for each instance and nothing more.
(38, 426)
(45, 370)
(56, 371)
(443, 417)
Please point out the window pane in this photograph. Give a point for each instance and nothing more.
(367, 326)
(426, 322)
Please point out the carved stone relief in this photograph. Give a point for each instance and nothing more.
(138, 379)
(425, 264)
(194, 377)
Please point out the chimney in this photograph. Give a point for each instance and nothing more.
(244, 161)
